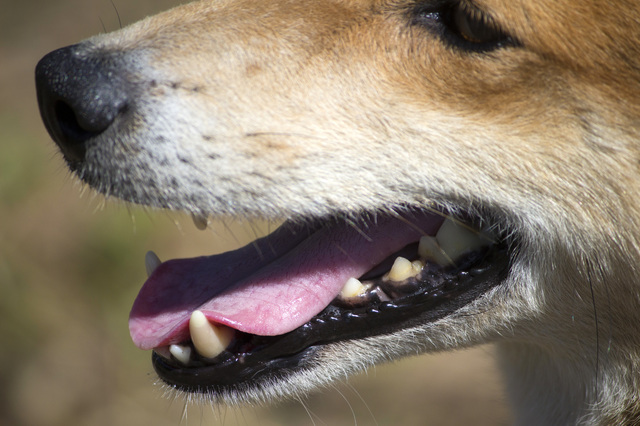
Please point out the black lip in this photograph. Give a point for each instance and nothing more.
(251, 359)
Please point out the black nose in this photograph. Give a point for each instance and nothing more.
(80, 94)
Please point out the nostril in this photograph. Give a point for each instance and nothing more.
(69, 125)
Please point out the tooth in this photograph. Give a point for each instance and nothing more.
(200, 221)
(401, 270)
(417, 266)
(182, 353)
(208, 339)
(429, 249)
(352, 288)
(151, 262)
(456, 239)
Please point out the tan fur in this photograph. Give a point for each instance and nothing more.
(324, 106)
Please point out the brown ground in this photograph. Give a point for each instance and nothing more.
(71, 267)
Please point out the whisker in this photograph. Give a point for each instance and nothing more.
(364, 402)
(360, 231)
(297, 135)
(353, 411)
(310, 413)
(117, 13)
(185, 412)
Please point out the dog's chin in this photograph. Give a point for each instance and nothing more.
(383, 310)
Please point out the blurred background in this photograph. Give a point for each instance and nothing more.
(72, 264)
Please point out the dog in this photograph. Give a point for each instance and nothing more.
(448, 173)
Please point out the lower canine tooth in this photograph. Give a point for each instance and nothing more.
(352, 288)
(181, 353)
(208, 339)
(401, 270)
(151, 262)
(201, 222)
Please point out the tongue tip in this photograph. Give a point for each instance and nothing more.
(148, 333)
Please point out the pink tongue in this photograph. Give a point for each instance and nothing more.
(270, 291)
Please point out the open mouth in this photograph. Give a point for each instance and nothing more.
(222, 323)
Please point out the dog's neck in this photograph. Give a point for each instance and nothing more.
(547, 388)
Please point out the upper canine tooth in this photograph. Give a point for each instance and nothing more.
(208, 339)
(429, 249)
(151, 262)
(456, 239)
(352, 288)
(401, 270)
(200, 221)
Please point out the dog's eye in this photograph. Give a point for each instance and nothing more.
(472, 25)
(463, 25)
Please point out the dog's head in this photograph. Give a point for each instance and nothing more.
(363, 124)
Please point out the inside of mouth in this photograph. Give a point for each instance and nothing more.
(429, 277)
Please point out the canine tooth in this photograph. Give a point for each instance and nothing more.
(208, 339)
(429, 249)
(200, 221)
(352, 288)
(151, 262)
(182, 353)
(455, 239)
(401, 269)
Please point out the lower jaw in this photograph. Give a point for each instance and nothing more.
(439, 292)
